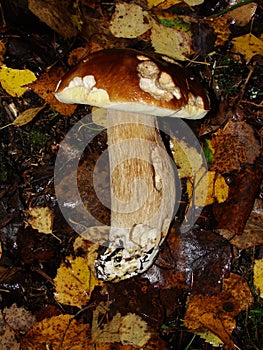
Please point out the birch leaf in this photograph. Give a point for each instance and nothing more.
(248, 45)
(171, 42)
(129, 21)
(258, 275)
(13, 80)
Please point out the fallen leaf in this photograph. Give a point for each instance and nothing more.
(186, 157)
(57, 332)
(13, 80)
(59, 18)
(258, 275)
(234, 146)
(75, 281)
(129, 21)
(14, 320)
(248, 45)
(41, 219)
(162, 4)
(217, 313)
(129, 329)
(45, 87)
(171, 42)
(242, 15)
(208, 188)
(232, 215)
(2, 51)
(253, 232)
(25, 117)
(18, 318)
(221, 29)
(193, 2)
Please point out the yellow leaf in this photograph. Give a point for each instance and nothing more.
(25, 117)
(248, 45)
(41, 219)
(13, 80)
(208, 188)
(171, 42)
(187, 158)
(75, 282)
(258, 275)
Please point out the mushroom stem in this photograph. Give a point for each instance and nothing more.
(142, 195)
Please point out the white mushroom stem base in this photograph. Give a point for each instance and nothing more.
(142, 195)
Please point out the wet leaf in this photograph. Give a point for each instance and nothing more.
(258, 276)
(57, 332)
(129, 21)
(248, 45)
(41, 219)
(232, 215)
(13, 80)
(216, 313)
(75, 280)
(253, 232)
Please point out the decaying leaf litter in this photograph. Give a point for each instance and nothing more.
(205, 288)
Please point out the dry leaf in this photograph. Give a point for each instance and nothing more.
(12, 320)
(171, 42)
(217, 313)
(258, 276)
(75, 282)
(13, 80)
(41, 219)
(248, 45)
(129, 21)
(242, 15)
(57, 332)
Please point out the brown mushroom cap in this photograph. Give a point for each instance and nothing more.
(129, 80)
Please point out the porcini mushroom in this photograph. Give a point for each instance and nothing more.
(135, 88)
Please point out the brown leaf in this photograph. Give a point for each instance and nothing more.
(45, 87)
(232, 215)
(234, 146)
(56, 17)
(216, 313)
(57, 332)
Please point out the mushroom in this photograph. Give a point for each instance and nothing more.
(135, 88)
